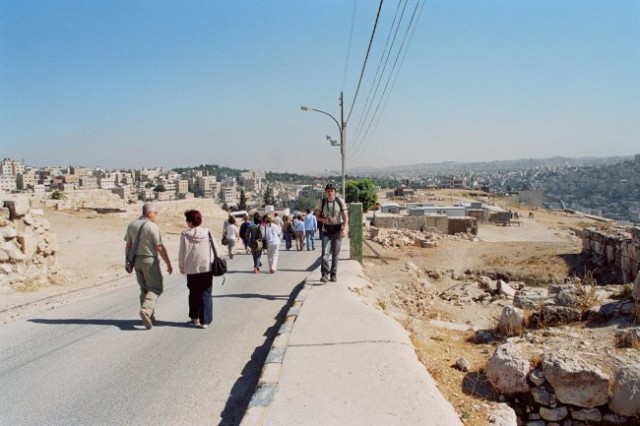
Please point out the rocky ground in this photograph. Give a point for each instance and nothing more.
(427, 290)
(431, 291)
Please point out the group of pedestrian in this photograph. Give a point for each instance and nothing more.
(197, 250)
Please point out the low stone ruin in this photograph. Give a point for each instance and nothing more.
(27, 248)
(564, 387)
(615, 251)
(402, 237)
(547, 371)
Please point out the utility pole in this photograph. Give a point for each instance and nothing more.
(342, 128)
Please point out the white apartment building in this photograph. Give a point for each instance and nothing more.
(206, 186)
(7, 183)
(106, 182)
(182, 186)
(26, 179)
(11, 167)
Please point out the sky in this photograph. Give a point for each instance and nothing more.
(148, 83)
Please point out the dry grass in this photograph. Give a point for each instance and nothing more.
(586, 293)
(465, 391)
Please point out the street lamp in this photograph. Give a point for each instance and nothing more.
(343, 135)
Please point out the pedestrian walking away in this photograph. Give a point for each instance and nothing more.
(231, 234)
(194, 260)
(147, 263)
(243, 232)
(272, 237)
(298, 230)
(335, 223)
(310, 226)
(255, 241)
(287, 230)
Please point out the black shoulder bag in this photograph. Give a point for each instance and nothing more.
(219, 265)
(131, 254)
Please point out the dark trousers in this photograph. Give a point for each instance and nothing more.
(330, 249)
(200, 303)
(256, 258)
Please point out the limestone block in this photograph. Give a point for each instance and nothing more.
(8, 232)
(543, 397)
(505, 289)
(529, 299)
(625, 396)
(18, 207)
(16, 255)
(507, 370)
(554, 414)
(28, 219)
(587, 415)
(6, 268)
(5, 215)
(558, 315)
(503, 415)
(574, 380)
(27, 244)
(4, 256)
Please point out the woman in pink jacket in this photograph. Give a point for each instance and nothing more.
(194, 259)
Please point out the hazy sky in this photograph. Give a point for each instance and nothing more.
(140, 83)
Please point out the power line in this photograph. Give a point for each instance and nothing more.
(346, 62)
(410, 31)
(379, 74)
(364, 65)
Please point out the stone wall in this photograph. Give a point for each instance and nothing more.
(442, 223)
(615, 249)
(27, 247)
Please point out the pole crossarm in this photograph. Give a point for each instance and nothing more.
(342, 129)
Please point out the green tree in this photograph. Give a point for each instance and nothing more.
(242, 205)
(268, 196)
(58, 194)
(361, 191)
(304, 202)
(160, 188)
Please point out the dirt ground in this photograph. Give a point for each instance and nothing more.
(545, 248)
(91, 254)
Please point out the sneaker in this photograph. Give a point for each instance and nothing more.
(324, 278)
(195, 321)
(204, 326)
(146, 319)
(333, 279)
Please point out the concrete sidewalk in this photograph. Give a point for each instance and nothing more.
(337, 361)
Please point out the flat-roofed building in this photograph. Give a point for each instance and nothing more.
(106, 182)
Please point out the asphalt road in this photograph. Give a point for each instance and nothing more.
(91, 362)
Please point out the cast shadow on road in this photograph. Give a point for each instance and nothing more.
(124, 325)
(254, 296)
(244, 388)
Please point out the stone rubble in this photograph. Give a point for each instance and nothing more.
(27, 248)
(562, 387)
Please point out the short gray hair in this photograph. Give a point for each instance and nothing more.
(148, 208)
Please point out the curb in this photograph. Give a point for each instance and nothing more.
(267, 385)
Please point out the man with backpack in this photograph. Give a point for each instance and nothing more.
(335, 222)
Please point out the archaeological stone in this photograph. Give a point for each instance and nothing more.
(554, 414)
(503, 415)
(574, 380)
(625, 393)
(507, 370)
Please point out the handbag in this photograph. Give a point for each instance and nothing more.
(219, 265)
(224, 240)
(130, 258)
